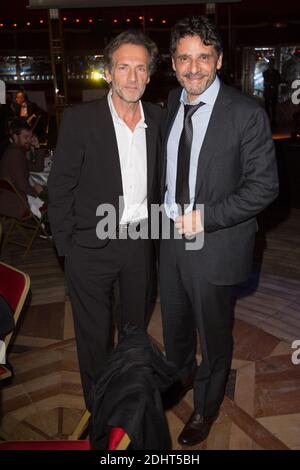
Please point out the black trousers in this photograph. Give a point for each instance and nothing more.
(189, 305)
(91, 277)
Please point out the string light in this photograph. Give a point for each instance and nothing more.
(89, 20)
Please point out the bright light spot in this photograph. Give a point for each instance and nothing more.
(96, 75)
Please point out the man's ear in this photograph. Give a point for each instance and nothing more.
(14, 138)
(220, 60)
(107, 74)
(173, 64)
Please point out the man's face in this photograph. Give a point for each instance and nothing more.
(195, 65)
(23, 139)
(129, 72)
(20, 98)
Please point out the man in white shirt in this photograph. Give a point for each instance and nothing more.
(107, 150)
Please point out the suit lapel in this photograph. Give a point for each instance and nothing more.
(212, 141)
(172, 113)
(107, 142)
(151, 137)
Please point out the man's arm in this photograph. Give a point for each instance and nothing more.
(19, 164)
(63, 180)
(259, 182)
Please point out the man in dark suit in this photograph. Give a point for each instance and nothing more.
(218, 152)
(107, 150)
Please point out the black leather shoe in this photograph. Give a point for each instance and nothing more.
(196, 429)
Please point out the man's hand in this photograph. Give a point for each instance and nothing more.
(189, 224)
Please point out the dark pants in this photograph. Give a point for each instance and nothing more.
(91, 276)
(189, 305)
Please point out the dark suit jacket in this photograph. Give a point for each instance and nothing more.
(86, 171)
(236, 179)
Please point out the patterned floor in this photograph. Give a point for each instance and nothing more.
(44, 399)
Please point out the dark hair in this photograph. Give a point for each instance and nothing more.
(23, 93)
(18, 125)
(196, 26)
(132, 37)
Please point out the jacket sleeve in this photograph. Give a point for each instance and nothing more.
(21, 174)
(63, 180)
(259, 181)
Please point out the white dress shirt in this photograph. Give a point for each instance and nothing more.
(133, 161)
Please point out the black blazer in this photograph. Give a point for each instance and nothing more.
(86, 171)
(236, 179)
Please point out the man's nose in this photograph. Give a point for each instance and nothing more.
(194, 66)
(132, 75)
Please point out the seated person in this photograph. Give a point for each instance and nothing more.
(31, 113)
(16, 167)
(36, 155)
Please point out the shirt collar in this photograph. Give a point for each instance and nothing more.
(209, 96)
(114, 113)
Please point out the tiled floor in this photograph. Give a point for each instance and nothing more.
(44, 400)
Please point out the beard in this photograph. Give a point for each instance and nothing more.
(198, 87)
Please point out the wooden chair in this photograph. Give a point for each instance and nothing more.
(14, 287)
(29, 226)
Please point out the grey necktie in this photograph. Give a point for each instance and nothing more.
(182, 196)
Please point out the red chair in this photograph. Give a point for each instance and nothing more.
(45, 445)
(14, 287)
(118, 438)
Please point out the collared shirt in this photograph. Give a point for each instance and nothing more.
(200, 120)
(133, 160)
(24, 110)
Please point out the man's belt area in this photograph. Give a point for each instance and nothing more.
(123, 230)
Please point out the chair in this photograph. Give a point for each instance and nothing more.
(14, 287)
(45, 445)
(64, 445)
(28, 222)
(118, 438)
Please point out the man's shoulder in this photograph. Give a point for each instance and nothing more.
(239, 98)
(11, 151)
(81, 109)
(151, 108)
